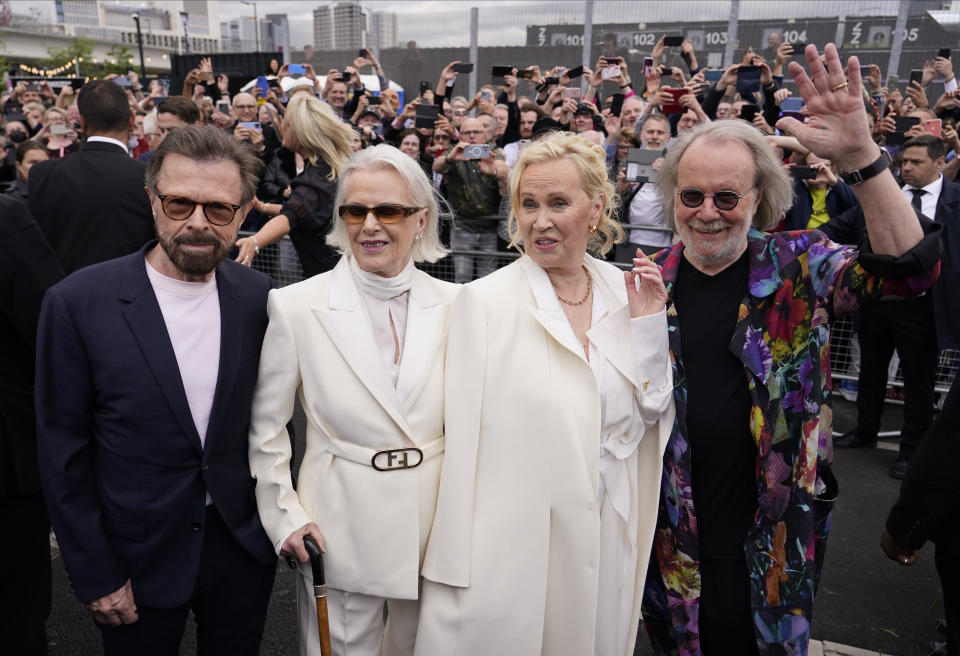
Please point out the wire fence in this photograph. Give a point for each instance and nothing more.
(280, 262)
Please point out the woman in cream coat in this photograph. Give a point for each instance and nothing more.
(363, 347)
(558, 408)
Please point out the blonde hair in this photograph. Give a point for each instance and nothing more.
(385, 157)
(55, 110)
(591, 163)
(319, 132)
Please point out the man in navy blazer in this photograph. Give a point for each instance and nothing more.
(90, 205)
(146, 366)
(916, 327)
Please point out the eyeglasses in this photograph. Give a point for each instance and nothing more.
(722, 200)
(179, 208)
(245, 106)
(387, 213)
(459, 112)
(468, 133)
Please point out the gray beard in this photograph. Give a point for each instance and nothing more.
(193, 264)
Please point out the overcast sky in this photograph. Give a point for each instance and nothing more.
(504, 22)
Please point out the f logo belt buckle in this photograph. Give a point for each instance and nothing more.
(390, 459)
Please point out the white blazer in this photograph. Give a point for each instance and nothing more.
(523, 432)
(319, 344)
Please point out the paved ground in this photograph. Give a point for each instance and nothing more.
(864, 600)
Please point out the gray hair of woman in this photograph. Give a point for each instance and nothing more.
(418, 188)
(590, 161)
(770, 177)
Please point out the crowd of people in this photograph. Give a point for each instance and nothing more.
(653, 443)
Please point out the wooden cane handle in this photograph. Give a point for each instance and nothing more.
(323, 622)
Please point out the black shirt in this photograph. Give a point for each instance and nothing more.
(310, 212)
(718, 407)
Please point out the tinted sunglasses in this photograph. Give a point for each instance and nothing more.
(722, 200)
(179, 208)
(387, 213)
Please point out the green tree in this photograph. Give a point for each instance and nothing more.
(123, 58)
(4, 64)
(77, 47)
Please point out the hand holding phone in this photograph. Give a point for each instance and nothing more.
(803, 173)
(426, 116)
(673, 41)
(610, 72)
(296, 69)
(748, 112)
(463, 68)
(748, 79)
(674, 107)
(616, 104)
(476, 151)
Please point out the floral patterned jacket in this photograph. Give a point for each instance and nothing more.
(798, 281)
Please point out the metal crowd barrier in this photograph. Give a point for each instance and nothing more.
(280, 262)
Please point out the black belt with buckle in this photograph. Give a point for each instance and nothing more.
(391, 459)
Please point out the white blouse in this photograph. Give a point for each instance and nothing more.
(624, 418)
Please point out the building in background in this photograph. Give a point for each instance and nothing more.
(279, 27)
(385, 30)
(323, 27)
(32, 28)
(349, 25)
(240, 34)
(342, 26)
(160, 22)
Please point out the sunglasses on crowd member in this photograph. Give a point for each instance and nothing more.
(179, 208)
(722, 200)
(387, 213)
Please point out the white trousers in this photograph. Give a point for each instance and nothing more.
(357, 626)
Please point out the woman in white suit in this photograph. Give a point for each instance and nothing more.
(363, 347)
(558, 408)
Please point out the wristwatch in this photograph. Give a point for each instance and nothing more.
(879, 165)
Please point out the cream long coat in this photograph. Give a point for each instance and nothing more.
(319, 344)
(523, 442)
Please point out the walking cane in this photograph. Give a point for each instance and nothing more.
(320, 592)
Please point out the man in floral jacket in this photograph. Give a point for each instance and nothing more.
(746, 492)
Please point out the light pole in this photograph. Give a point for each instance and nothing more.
(184, 19)
(256, 21)
(143, 70)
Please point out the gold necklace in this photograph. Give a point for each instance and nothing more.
(585, 296)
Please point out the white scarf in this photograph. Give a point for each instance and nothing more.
(378, 286)
(385, 300)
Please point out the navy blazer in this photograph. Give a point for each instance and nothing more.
(121, 463)
(928, 507)
(946, 291)
(91, 204)
(850, 228)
